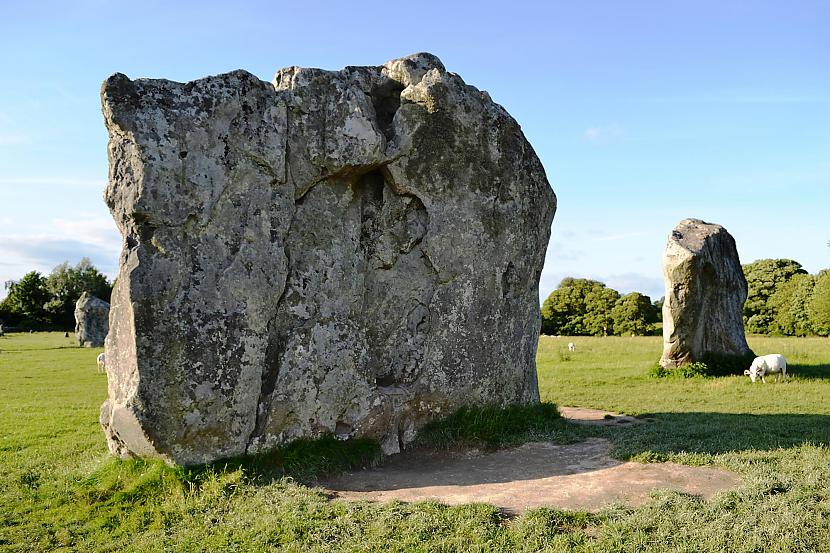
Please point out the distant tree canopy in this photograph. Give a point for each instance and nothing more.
(67, 283)
(783, 299)
(35, 301)
(819, 312)
(26, 298)
(635, 314)
(764, 277)
(790, 306)
(587, 307)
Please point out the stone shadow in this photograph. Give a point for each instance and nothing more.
(809, 370)
(717, 433)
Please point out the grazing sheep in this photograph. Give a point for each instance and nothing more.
(571, 346)
(774, 363)
(101, 363)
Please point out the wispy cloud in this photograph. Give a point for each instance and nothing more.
(739, 97)
(95, 238)
(604, 134)
(560, 251)
(783, 180)
(619, 236)
(600, 235)
(13, 139)
(53, 181)
(91, 230)
(651, 286)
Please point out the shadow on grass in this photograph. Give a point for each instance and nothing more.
(716, 433)
(308, 461)
(809, 371)
(124, 481)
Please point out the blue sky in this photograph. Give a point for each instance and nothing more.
(643, 113)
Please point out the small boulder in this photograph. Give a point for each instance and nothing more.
(91, 321)
(705, 294)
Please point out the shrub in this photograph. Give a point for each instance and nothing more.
(689, 370)
(712, 365)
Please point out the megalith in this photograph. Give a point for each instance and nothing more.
(91, 321)
(347, 253)
(705, 294)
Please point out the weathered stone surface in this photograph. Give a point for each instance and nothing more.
(705, 294)
(352, 252)
(92, 324)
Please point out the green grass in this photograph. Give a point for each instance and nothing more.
(59, 490)
(493, 428)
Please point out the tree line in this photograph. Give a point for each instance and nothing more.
(783, 299)
(37, 302)
(584, 307)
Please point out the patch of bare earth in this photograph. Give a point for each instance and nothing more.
(580, 476)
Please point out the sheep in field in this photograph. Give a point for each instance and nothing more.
(101, 361)
(774, 363)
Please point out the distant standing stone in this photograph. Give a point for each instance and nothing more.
(705, 294)
(91, 321)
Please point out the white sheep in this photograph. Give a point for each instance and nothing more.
(571, 346)
(101, 361)
(774, 363)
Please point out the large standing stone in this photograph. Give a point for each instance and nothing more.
(705, 294)
(352, 252)
(92, 324)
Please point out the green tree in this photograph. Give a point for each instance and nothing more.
(67, 283)
(763, 278)
(26, 299)
(790, 305)
(658, 306)
(819, 312)
(579, 307)
(634, 314)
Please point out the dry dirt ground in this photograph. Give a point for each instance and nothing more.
(580, 476)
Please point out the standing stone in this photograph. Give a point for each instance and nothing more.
(705, 294)
(351, 252)
(92, 317)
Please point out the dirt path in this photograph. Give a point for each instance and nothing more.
(574, 476)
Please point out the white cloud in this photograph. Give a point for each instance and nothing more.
(13, 139)
(53, 181)
(619, 236)
(559, 251)
(741, 97)
(636, 282)
(604, 135)
(64, 240)
(89, 229)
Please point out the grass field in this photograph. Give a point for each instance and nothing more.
(59, 490)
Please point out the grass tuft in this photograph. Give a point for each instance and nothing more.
(492, 427)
